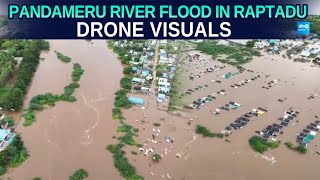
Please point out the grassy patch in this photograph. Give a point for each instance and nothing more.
(205, 132)
(260, 145)
(79, 175)
(63, 57)
(36, 178)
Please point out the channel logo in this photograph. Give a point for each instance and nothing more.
(303, 28)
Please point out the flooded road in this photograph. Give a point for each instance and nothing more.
(70, 136)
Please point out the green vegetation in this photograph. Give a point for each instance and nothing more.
(300, 148)
(315, 23)
(289, 145)
(250, 44)
(261, 145)
(233, 54)
(126, 83)
(36, 178)
(11, 97)
(156, 124)
(121, 101)
(122, 164)
(39, 102)
(156, 157)
(13, 156)
(205, 132)
(79, 175)
(62, 57)
(6, 120)
(176, 98)
(134, 153)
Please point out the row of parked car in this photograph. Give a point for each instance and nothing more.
(201, 101)
(308, 133)
(244, 119)
(244, 82)
(275, 128)
(226, 107)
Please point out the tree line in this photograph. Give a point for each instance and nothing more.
(30, 53)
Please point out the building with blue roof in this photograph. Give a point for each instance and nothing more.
(137, 101)
(145, 72)
(137, 80)
(161, 97)
(6, 137)
(134, 69)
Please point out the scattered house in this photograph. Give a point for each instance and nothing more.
(161, 97)
(145, 72)
(149, 77)
(164, 75)
(315, 51)
(305, 53)
(173, 69)
(137, 101)
(6, 137)
(164, 90)
(134, 69)
(171, 60)
(134, 63)
(136, 80)
(152, 42)
(163, 42)
(145, 89)
(273, 41)
(164, 82)
(150, 54)
(163, 57)
(143, 59)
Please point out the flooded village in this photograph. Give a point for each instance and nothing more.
(172, 109)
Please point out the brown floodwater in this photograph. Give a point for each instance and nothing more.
(70, 136)
(73, 135)
(208, 159)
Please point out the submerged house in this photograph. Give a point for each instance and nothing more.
(163, 57)
(145, 72)
(305, 53)
(6, 137)
(161, 97)
(143, 59)
(164, 90)
(137, 101)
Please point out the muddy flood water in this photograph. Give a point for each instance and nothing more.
(70, 136)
